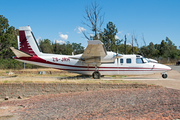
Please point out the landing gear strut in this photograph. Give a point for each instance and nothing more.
(96, 74)
(164, 75)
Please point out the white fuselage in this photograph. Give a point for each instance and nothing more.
(95, 60)
(124, 65)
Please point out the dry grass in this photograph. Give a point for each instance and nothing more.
(58, 80)
(35, 72)
(51, 76)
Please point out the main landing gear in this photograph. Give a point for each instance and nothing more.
(164, 75)
(96, 74)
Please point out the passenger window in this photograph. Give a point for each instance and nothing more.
(121, 60)
(139, 60)
(128, 60)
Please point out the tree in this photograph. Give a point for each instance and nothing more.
(173, 52)
(77, 48)
(68, 49)
(152, 50)
(108, 37)
(94, 19)
(45, 46)
(8, 38)
(144, 51)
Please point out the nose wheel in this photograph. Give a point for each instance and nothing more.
(164, 75)
(96, 75)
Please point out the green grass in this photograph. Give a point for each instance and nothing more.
(6, 81)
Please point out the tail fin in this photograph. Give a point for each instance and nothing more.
(28, 43)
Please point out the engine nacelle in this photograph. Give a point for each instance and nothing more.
(110, 57)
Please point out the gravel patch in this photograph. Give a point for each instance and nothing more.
(135, 104)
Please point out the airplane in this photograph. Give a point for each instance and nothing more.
(95, 60)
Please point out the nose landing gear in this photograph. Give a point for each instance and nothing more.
(164, 75)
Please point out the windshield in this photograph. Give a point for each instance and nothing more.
(145, 60)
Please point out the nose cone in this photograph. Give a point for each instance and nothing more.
(168, 68)
(163, 67)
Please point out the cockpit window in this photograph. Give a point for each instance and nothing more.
(145, 60)
(141, 60)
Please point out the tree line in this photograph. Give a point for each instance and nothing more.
(46, 46)
(8, 38)
(165, 50)
(94, 20)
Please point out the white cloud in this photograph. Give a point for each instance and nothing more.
(60, 41)
(128, 44)
(63, 36)
(116, 37)
(128, 34)
(120, 32)
(81, 29)
(92, 35)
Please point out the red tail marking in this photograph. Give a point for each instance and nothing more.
(24, 45)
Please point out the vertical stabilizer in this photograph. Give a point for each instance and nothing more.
(28, 43)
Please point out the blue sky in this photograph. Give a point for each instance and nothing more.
(61, 19)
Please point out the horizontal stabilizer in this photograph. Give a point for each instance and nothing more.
(19, 53)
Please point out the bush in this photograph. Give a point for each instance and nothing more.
(14, 64)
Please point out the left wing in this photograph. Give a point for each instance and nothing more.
(93, 52)
(95, 48)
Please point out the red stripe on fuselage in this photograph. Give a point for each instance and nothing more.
(40, 60)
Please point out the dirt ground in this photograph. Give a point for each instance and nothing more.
(128, 104)
(173, 80)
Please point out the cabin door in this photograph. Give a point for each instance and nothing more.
(118, 65)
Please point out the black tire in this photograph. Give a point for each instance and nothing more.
(164, 76)
(96, 75)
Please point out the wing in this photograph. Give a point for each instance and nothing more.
(95, 48)
(94, 51)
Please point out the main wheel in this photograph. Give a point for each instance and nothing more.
(164, 75)
(96, 75)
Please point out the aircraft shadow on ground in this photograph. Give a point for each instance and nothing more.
(75, 77)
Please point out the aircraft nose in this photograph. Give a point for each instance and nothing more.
(169, 68)
(162, 67)
(166, 68)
